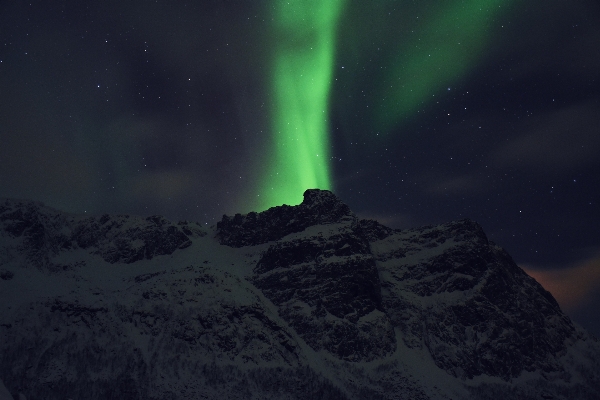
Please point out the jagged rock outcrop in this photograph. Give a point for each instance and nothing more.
(44, 233)
(318, 207)
(115, 239)
(299, 302)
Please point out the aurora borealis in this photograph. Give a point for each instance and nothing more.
(304, 37)
(456, 35)
(304, 34)
(413, 113)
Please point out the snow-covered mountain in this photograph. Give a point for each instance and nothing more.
(296, 302)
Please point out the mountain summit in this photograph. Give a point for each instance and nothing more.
(318, 207)
(297, 302)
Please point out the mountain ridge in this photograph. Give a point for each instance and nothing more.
(265, 303)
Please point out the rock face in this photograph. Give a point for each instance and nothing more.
(463, 298)
(44, 233)
(301, 301)
(327, 287)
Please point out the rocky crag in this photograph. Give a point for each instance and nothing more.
(302, 301)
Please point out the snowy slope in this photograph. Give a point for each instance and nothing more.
(295, 302)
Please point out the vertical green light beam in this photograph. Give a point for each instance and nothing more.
(304, 44)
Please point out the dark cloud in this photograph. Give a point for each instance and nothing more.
(559, 140)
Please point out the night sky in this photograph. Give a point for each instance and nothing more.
(412, 112)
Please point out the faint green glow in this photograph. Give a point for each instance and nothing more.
(304, 45)
(454, 38)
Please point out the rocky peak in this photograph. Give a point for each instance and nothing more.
(331, 279)
(318, 207)
(324, 206)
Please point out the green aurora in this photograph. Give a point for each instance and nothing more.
(304, 32)
(453, 40)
